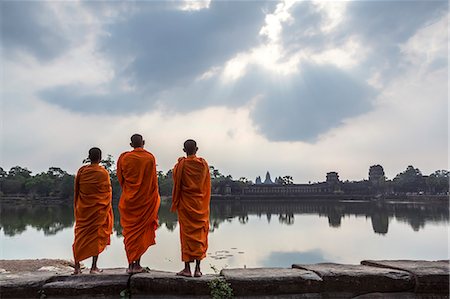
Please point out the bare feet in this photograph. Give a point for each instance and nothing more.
(185, 273)
(77, 268)
(197, 273)
(137, 269)
(95, 271)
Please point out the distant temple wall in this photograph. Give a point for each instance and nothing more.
(288, 189)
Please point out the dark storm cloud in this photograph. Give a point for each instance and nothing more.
(31, 27)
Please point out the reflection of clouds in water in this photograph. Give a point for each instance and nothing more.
(286, 259)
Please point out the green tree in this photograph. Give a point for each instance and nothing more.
(110, 166)
(41, 184)
(438, 182)
(165, 182)
(14, 182)
(410, 180)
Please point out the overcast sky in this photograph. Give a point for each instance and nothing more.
(294, 88)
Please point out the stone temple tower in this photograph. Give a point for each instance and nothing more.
(268, 180)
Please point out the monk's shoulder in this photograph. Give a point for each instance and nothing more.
(123, 155)
(147, 154)
(204, 162)
(103, 171)
(81, 170)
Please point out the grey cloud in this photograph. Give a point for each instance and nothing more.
(390, 22)
(384, 25)
(171, 47)
(304, 29)
(309, 104)
(30, 26)
(381, 26)
(83, 99)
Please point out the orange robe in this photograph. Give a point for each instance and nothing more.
(93, 212)
(139, 202)
(190, 198)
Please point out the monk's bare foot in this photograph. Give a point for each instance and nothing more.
(95, 271)
(197, 273)
(76, 268)
(185, 273)
(139, 269)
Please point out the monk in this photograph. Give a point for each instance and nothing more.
(93, 211)
(139, 202)
(190, 199)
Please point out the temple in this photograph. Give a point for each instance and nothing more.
(282, 186)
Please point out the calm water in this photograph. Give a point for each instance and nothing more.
(249, 234)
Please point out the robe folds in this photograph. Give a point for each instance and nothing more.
(139, 202)
(190, 199)
(93, 211)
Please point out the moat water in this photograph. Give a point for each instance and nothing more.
(250, 234)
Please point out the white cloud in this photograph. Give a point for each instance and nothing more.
(193, 5)
(236, 98)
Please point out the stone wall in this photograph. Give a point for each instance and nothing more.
(370, 279)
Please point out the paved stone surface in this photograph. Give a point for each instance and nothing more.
(382, 279)
(110, 282)
(161, 282)
(360, 279)
(430, 276)
(269, 281)
(31, 265)
(401, 296)
(23, 284)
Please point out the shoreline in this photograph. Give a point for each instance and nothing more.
(369, 279)
(261, 198)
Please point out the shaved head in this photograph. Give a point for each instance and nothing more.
(190, 147)
(95, 155)
(137, 141)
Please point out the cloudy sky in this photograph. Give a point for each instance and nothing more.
(296, 88)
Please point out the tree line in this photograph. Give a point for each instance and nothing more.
(57, 183)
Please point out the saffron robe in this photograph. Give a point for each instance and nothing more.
(190, 199)
(139, 201)
(93, 211)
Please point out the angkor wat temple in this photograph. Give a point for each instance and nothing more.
(279, 188)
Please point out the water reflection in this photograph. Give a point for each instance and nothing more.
(286, 259)
(14, 218)
(51, 219)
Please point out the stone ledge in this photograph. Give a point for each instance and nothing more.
(161, 282)
(359, 279)
(430, 276)
(110, 282)
(387, 279)
(23, 284)
(270, 281)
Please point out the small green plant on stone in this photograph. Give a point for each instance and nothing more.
(219, 287)
(125, 294)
